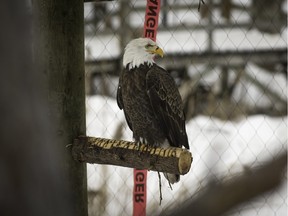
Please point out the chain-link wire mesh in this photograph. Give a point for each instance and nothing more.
(230, 62)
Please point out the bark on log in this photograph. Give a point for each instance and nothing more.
(129, 154)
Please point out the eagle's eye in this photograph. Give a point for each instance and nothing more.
(148, 46)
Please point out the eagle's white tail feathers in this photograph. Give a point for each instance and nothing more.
(172, 178)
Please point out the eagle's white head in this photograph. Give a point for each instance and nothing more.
(140, 51)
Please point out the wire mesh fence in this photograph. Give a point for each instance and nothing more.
(229, 61)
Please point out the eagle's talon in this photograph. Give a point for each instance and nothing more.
(138, 148)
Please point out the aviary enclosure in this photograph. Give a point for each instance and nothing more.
(229, 59)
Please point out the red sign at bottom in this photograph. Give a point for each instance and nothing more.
(139, 192)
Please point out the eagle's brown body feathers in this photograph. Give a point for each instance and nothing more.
(150, 99)
(152, 106)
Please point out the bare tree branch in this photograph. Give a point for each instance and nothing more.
(221, 197)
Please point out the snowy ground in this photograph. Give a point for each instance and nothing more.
(219, 149)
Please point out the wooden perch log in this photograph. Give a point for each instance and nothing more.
(129, 154)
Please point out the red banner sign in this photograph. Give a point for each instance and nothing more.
(140, 176)
(151, 19)
(139, 192)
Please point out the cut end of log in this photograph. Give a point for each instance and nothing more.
(185, 161)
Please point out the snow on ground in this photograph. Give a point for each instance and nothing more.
(219, 149)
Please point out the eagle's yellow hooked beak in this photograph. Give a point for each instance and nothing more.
(159, 51)
(155, 50)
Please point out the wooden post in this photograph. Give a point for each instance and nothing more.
(59, 54)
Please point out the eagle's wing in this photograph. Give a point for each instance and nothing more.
(119, 97)
(167, 105)
(120, 102)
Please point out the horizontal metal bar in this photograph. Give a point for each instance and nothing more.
(176, 60)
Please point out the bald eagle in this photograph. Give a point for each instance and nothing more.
(150, 99)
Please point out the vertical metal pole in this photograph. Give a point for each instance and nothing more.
(59, 54)
(165, 13)
(210, 29)
(125, 33)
